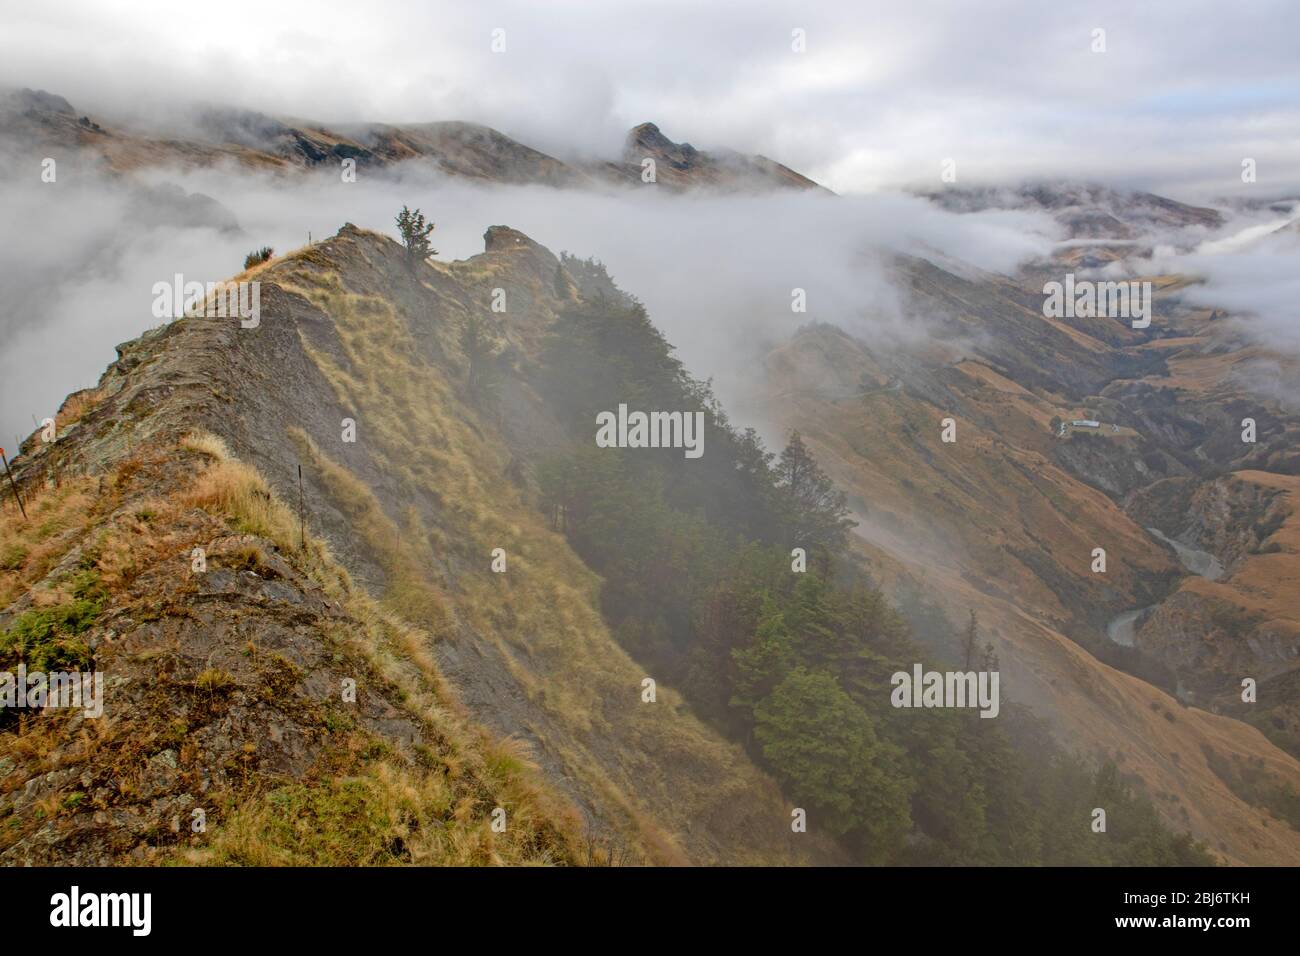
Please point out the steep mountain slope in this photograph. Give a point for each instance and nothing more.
(1233, 521)
(414, 509)
(1005, 519)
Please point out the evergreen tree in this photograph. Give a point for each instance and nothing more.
(763, 662)
(415, 235)
(826, 748)
(818, 514)
(480, 344)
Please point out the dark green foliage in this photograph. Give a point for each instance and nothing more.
(49, 638)
(816, 512)
(826, 747)
(415, 235)
(696, 559)
(258, 256)
(592, 281)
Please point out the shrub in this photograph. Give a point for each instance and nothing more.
(49, 638)
(415, 235)
(258, 256)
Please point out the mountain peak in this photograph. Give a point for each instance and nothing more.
(682, 166)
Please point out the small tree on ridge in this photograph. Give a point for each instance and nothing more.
(415, 235)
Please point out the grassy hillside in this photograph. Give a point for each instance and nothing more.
(1004, 521)
(502, 581)
(224, 692)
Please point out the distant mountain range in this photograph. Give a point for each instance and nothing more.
(465, 150)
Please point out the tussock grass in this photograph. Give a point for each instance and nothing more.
(29, 549)
(228, 487)
(206, 443)
(385, 815)
(378, 808)
(410, 592)
(134, 541)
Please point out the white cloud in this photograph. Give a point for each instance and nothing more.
(716, 272)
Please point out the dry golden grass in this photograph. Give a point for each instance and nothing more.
(136, 540)
(206, 443)
(387, 814)
(77, 405)
(30, 547)
(213, 681)
(410, 593)
(437, 816)
(227, 487)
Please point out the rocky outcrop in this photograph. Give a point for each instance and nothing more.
(681, 165)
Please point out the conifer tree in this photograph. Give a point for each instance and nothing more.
(817, 512)
(415, 235)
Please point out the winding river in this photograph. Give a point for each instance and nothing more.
(1122, 627)
(1198, 562)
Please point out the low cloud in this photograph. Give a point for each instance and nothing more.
(1252, 271)
(716, 272)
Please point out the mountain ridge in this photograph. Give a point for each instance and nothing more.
(455, 148)
(526, 650)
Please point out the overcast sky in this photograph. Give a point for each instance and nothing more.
(883, 94)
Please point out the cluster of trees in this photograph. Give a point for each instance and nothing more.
(696, 556)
